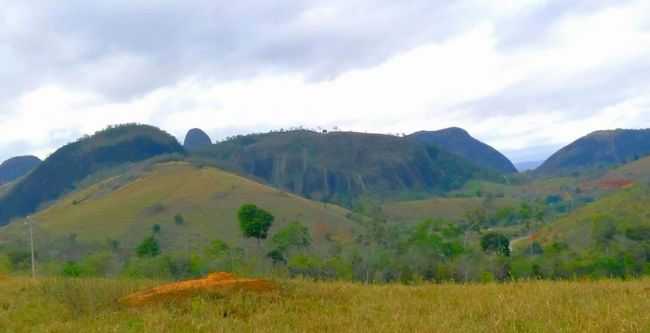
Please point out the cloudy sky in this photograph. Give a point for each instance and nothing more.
(527, 77)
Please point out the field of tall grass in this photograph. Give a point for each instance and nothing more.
(90, 305)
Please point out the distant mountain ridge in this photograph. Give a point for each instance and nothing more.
(60, 172)
(341, 166)
(17, 167)
(458, 141)
(599, 149)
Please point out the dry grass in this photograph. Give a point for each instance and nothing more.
(302, 306)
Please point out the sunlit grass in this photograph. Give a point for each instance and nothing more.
(89, 305)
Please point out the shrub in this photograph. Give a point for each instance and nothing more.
(148, 248)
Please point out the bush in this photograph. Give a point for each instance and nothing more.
(148, 248)
(71, 269)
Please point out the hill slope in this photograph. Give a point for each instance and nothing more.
(60, 172)
(599, 149)
(459, 142)
(125, 209)
(342, 166)
(604, 224)
(17, 167)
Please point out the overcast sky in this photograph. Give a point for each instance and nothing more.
(525, 76)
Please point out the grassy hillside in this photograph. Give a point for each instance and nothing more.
(458, 141)
(606, 225)
(453, 209)
(342, 166)
(207, 198)
(61, 172)
(80, 305)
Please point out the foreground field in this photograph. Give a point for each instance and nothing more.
(88, 305)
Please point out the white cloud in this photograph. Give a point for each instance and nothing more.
(539, 94)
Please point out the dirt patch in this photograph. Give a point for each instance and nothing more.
(213, 283)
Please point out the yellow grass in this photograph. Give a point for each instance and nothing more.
(302, 306)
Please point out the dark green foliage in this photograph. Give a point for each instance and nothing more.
(155, 228)
(496, 243)
(148, 248)
(254, 222)
(343, 166)
(638, 233)
(459, 142)
(66, 167)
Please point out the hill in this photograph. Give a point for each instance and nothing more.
(458, 141)
(599, 150)
(69, 165)
(17, 167)
(125, 208)
(342, 166)
(618, 221)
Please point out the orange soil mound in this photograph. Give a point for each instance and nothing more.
(216, 282)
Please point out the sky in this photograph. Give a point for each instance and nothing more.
(525, 76)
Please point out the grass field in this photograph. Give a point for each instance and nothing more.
(80, 305)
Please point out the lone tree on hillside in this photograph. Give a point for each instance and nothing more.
(254, 222)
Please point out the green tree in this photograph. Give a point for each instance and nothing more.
(254, 222)
(155, 228)
(294, 235)
(496, 243)
(148, 248)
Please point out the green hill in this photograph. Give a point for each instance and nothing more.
(343, 166)
(458, 141)
(599, 150)
(61, 172)
(620, 220)
(125, 208)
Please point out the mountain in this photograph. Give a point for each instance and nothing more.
(17, 167)
(61, 172)
(342, 166)
(191, 204)
(196, 139)
(599, 150)
(528, 166)
(458, 141)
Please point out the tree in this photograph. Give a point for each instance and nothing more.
(254, 222)
(156, 228)
(148, 248)
(496, 243)
(294, 235)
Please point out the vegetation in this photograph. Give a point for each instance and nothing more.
(69, 165)
(343, 166)
(88, 305)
